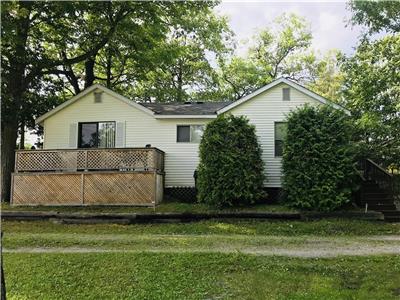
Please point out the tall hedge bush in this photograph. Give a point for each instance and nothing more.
(318, 158)
(231, 168)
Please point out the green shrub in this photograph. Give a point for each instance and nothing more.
(231, 168)
(318, 158)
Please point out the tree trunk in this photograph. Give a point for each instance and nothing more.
(22, 136)
(8, 143)
(16, 89)
(3, 281)
(89, 72)
(180, 83)
(108, 70)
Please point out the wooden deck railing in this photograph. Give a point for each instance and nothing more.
(122, 159)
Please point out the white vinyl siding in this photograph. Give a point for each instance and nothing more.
(73, 136)
(134, 129)
(263, 111)
(120, 135)
(181, 159)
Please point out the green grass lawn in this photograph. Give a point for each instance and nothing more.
(327, 227)
(199, 276)
(199, 260)
(167, 206)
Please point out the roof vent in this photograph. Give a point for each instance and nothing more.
(97, 97)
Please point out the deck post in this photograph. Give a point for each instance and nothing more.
(83, 188)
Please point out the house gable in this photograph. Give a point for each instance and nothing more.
(90, 91)
(61, 126)
(266, 109)
(290, 84)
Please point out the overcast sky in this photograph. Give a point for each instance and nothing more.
(328, 21)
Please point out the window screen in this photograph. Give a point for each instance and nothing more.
(183, 134)
(189, 133)
(280, 135)
(286, 94)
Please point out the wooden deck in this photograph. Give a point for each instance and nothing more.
(129, 176)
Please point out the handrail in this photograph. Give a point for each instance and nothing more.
(372, 171)
(378, 166)
(90, 149)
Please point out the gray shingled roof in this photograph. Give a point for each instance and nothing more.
(192, 108)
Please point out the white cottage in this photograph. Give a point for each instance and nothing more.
(101, 118)
(175, 128)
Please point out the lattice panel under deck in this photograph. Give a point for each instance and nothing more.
(87, 188)
(119, 188)
(50, 189)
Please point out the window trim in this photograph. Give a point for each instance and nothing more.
(190, 132)
(97, 130)
(275, 123)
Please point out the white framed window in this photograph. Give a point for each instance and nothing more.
(96, 135)
(280, 136)
(189, 133)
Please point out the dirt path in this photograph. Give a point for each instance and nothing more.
(299, 246)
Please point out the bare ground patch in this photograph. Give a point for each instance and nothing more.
(300, 246)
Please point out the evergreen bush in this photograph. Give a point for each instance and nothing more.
(231, 168)
(318, 158)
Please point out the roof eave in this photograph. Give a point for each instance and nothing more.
(185, 116)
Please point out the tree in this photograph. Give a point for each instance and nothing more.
(230, 171)
(318, 158)
(181, 69)
(372, 93)
(239, 78)
(51, 50)
(159, 53)
(282, 50)
(377, 15)
(327, 78)
(31, 34)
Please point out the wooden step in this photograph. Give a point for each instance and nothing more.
(377, 199)
(392, 213)
(372, 190)
(373, 204)
(382, 207)
(377, 194)
(392, 219)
